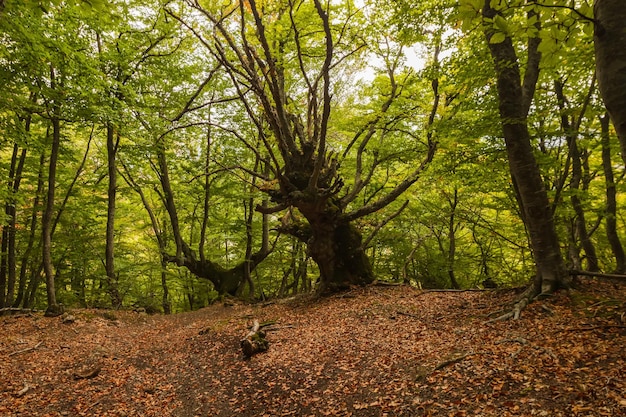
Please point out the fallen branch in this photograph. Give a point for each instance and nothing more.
(274, 327)
(598, 275)
(377, 283)
(519, 340)
(455, 290)
(254, 342)
(17, 309)
(595, 327)
(26, 350)
(452, 361)
(404, 313)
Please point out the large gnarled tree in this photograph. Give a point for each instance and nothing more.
(283, 59)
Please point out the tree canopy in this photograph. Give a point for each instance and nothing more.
(161, 154)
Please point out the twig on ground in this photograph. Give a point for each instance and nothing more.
(452, 361)
(274, 327)
(404, 313)
(519, 340)
(26, 350)
(594, 327)
(23, 391)
(92, 405)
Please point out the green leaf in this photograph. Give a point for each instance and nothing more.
(500, 23)
(497, 37)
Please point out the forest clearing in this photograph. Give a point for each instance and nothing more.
(372, 351)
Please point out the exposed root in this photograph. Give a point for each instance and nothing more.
(524, 299)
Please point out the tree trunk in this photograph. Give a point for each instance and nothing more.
(610, 49)
(514, 102)
(25, 259)
(166, 304)
(46, 224)
(452, 239)
(109, 263)
(336, 246)
(225, 281)
(579, 230)
(611, 201)
(11, 213)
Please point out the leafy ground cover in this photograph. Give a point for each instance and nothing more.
(375, 351)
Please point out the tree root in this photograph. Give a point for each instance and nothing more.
(524, 299)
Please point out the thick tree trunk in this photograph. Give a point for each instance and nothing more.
(514, 100)
(610, 48)
(336, 246)
(611, 201)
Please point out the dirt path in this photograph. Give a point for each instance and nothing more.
(372, 352)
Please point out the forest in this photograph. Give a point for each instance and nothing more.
(163, 155)
(354, 207)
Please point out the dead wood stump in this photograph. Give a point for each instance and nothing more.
(255, 341)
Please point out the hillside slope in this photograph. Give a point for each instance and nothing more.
(375, 351)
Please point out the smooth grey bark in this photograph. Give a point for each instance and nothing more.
(514, 100)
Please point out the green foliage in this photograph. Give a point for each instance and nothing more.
(134, 64)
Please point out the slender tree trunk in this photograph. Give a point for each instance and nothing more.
(22, 296)
(165, 303)
(610, 48)
(3, 263)
(452, 239)
(611, 201)
(46, 224)
(579, 229)
(112, 145)
(12, 215)
(514, 102)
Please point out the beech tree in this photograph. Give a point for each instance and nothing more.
(515, 92)
(282, 58)
(610, 47)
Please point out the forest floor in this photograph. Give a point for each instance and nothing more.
(374, 351)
